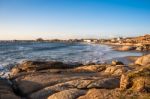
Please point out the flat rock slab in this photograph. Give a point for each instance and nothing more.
(43, 84)
(67, 94)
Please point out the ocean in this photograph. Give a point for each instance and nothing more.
(12, 53)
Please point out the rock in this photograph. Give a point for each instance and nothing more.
(137, 80)
(143, 47)
(47, 91)
(139, 48)
(124, 82)
(106, 83)
(6, 91)
(33, 82)
(117, 62)
(80, 83)
(113, 94)
(141, 84)
(67, 94)
(90, 68)
(28, 84)
(144, 60)
(101, 94)
(27, 66)
(126, 48)
(15, 71)
(116, 70)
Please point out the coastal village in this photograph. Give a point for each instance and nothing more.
(58, 80)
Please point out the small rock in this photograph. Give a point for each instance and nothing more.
(117, 62)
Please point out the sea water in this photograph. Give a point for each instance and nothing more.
(12, 53)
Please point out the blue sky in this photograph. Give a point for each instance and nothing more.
(30, 19)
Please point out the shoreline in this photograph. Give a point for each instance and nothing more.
(126, 59)
(121, 77)
(41, 79)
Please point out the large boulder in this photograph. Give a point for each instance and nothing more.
(144, 60)
(88, 83)
(137, 80)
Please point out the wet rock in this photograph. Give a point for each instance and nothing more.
(6, 91)
(67, 94)
(144, 60)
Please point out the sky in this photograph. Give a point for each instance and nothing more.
(66, 19)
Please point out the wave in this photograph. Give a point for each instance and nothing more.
(49, 48)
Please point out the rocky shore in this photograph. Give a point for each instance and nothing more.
(56, 80)
(141, 43)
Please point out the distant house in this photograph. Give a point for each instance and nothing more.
(119, 38)
(87, 40)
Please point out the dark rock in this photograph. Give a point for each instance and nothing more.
(116, 62)
(6, 91)
(27, 66)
